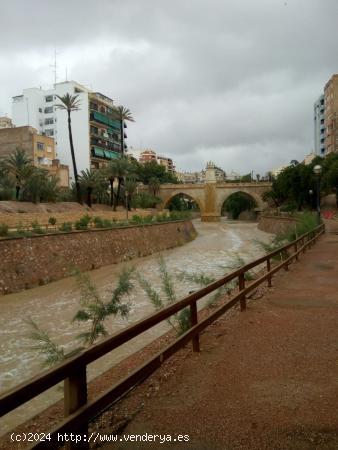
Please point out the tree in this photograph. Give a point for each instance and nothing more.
(71, 103)
(40, 186)
(88, 180)
(121, 113)
(18, 165)
(154, 185)
(130, 188)
(111, 174)
(122, 170)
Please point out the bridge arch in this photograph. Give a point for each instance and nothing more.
(223, 196)
(199, 202)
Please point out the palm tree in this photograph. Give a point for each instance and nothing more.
(88, 180)
(71, 103)
(121, 113)
(19, 165)
(122, 170)
(111, 174)
(130, 188)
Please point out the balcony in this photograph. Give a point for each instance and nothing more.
(102, 118)
(101, 153)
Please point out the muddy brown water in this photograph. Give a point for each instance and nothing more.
(53, 306)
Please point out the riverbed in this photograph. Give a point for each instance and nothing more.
(53, 306)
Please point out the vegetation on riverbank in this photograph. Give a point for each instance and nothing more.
(87, 222)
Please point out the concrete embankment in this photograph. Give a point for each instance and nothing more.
(38, 260)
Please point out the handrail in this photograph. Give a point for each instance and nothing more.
(73, 370)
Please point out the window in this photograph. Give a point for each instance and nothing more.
(49, 121)
(48, 109)
(49, 98)
(40, 110)
(40, 145)
(49, 132)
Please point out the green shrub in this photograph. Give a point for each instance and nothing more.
(52, 221)
(37, 228)
(107, 223)
(145, 200)
(98, 222)
(83, 222)
(66, 227)
(3, 230)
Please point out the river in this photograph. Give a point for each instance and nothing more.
(53, 306)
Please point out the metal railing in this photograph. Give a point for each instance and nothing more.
(79, 411)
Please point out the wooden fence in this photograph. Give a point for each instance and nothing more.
(79, 411)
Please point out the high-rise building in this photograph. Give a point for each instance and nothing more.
(319, 126)
(96, 132)
(331, 115)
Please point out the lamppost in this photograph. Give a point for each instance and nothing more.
(317, 170)
(126, 193)
(311, 198)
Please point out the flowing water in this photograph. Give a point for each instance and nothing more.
(53, 306)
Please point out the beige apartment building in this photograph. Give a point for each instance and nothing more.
(40, 149)
(331, 115)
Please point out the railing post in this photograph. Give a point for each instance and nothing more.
(268, 268)
(241, 286)
(194, 321)
(75, 396)
(296, 250)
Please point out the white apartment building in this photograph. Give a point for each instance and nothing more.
(96, 134)
(319, 126)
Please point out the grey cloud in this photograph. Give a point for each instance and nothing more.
(204, 80)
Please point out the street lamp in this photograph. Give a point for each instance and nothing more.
(126, 193)
(311, 198)
(317, 170)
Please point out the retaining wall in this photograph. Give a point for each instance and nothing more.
(276, 224)
(38, 260)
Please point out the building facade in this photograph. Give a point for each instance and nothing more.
(96, 133)
(319, 126)
(149, 155)
(39, 148)
(331, 115)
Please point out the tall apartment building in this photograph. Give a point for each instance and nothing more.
(96, 133)
(39, 148)
(319, 126)
(149, 155)
(331, 115)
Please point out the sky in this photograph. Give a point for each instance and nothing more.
(228, 81)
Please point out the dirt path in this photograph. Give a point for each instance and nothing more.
(265, 379)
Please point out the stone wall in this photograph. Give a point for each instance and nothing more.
(13, 220)
(276, 224)
(33, 261)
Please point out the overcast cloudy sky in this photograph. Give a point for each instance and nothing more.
(232, 81)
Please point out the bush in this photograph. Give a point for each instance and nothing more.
(37, 228)
(66, 227)
(145, 200)
(102, 223)
(3, 230)
(83, 222)
(52, 221)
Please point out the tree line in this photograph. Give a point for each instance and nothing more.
(295, 188)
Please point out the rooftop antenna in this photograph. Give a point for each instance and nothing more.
(54, 66)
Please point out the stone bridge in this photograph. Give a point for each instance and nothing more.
(210, 196)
